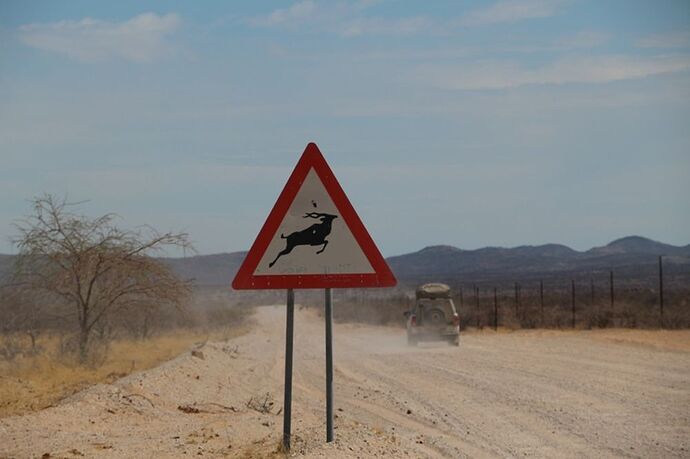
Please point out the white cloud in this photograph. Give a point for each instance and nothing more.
(509, 74)
(584, 39)
(679, 39)
(345, 19)
(293, 15)
(348, 19)
(379, 26)
(141, 38)
(581, 40)
(507, 11)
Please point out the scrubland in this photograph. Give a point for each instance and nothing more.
(37, 381)
(39, 366)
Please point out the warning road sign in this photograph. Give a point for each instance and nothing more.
(313, 238)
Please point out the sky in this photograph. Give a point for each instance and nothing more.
(467, 123)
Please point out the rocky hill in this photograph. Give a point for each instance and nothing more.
(630, 255)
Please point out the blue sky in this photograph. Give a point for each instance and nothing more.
(464, 123)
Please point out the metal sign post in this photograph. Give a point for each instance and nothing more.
(287, 401)
(329, 366)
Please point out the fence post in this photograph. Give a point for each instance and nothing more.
(495, 310)
(476, 305)
(541, 300)
(572, 299)
(517, 301)
(661, 293)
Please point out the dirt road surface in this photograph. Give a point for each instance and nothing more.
(530, 393)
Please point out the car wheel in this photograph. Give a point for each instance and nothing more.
(454, 341)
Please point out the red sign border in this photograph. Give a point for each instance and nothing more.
(312, 159)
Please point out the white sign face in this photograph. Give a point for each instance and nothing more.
(313, 238)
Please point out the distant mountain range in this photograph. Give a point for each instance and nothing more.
(632, 257)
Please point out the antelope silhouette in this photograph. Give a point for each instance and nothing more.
(314, 235)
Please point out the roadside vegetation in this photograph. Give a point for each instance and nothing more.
(39, 365)
(88, 302)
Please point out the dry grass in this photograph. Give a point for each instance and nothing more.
(35, 382)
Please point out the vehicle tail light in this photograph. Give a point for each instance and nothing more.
(456, 320)
(413, 320)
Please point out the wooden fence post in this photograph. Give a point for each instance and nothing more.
(495, 310)
(517, 300)
(661, 293)
(476, 305)
(572, 300)
(541, 300)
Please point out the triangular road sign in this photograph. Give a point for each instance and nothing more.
(313, 238)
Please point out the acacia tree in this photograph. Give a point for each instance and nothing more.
(96, 268)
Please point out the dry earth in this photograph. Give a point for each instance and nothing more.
(534, 393)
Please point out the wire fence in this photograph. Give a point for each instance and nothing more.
(577, 301)
(532, 306)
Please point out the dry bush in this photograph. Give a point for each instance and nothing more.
(11, 347)
(34, 381)
(262, 404)
(22, 320)
(95, 268)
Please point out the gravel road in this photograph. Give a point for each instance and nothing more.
(609, 393)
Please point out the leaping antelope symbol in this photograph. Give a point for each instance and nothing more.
(314, 235)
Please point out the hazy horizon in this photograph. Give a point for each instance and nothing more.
(174, 254)
(497, 123)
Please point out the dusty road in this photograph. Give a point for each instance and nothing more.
(536, 394)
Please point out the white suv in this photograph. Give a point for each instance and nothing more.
(433, 317)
